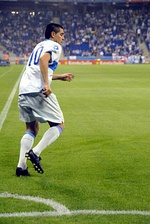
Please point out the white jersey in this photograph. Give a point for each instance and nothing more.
(32, 79)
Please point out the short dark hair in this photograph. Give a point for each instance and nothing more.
(50, 28)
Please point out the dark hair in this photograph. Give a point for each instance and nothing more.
(50, 28)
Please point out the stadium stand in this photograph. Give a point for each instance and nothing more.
(90, 31)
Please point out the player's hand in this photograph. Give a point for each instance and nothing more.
(67, 77)
(47, 90)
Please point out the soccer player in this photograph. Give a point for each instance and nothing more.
(37, 102)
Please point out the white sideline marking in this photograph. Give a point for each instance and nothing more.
(61, 210)
(5, 110)
(6, 72)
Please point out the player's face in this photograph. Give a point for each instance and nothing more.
(59, 37)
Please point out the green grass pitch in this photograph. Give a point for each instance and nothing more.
(100, 162)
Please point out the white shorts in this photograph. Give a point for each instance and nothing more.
(36, 106)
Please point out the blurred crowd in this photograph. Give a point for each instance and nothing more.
(96, 33)
(118, 32)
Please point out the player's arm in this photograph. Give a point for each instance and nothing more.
(64, 77)
(44, 59)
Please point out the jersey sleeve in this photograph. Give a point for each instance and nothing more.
(54, 49)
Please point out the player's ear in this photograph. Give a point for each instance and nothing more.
(52, 34)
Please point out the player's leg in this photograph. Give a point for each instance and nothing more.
(27, 103)
(51, 135)
(26, 144)
(48, 138)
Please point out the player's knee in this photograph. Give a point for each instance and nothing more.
(56, 124)
(62, 126)
(36, 130)
(33, 127)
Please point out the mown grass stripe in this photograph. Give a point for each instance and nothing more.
(5, 110)
(6, 72)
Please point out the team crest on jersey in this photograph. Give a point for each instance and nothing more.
(55, 48)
